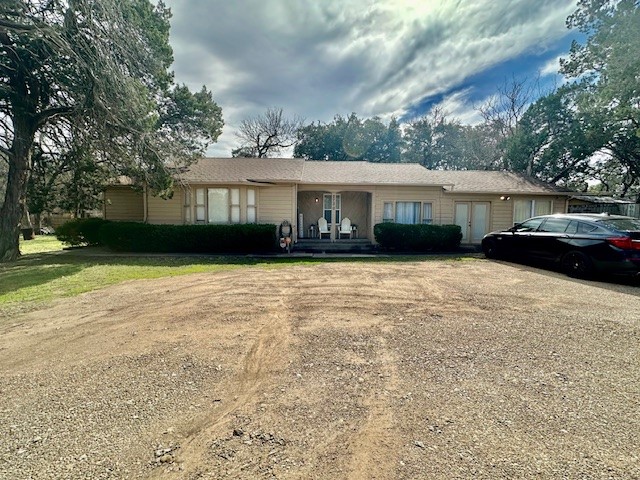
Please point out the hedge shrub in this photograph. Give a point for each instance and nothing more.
(81, 231)
(143, 237)
(417, 238)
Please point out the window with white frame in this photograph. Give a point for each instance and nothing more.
(327, 207)
(235, 205)
(523, 209)
(201, 207)
(408, 213)
(251, 206)
(217, 205)
(187, 205)
(427, 213)
(387, 212)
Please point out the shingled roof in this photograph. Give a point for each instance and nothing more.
(295, 170)
(486, 181)
(243, 170)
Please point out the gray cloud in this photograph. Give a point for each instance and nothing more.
(320, 58)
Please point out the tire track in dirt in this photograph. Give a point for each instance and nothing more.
(370, 450)
(263, 361)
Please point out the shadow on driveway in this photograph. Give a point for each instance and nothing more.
(616, 283)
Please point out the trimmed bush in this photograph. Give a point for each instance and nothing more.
(81, 231)
(142, 237)
(417, 238)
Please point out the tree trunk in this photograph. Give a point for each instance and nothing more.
(14, 199)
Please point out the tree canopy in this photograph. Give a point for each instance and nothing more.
(93, 74)
(589, 128)
(350, 138)
(607, 72)
(436, 142)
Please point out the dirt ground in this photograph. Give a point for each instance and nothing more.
(439, 370)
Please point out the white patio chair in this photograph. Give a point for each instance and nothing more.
(345, 228)
(323, 228)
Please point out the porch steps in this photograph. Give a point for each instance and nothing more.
(357, 245)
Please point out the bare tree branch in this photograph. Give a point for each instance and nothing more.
(268, 134)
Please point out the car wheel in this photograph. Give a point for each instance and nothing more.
(490, 248)
(577, 264)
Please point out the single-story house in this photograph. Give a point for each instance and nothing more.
(258, 190)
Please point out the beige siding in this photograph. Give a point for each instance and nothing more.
(123, 204)
(560, 205)
(276, 204)
(167, 211)
(501, 214)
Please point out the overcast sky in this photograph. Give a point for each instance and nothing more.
(319, 58)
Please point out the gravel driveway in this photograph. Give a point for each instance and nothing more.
(439, 370)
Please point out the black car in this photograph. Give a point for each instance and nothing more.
(580, 243)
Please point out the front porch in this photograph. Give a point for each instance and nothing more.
(334, 206)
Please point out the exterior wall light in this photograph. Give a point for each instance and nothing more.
(505, 197)
(317, 199)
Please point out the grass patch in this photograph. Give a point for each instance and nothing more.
(44, 279)
(40, 244)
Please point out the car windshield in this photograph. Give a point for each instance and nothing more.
(625, 224)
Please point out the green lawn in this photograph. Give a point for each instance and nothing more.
(40, 244)
(31, 282)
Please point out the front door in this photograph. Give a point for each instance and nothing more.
(332, 211)
(473, 219)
